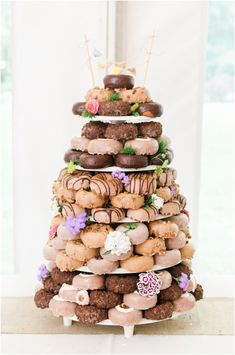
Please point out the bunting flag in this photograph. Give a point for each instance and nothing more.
(96, 53)
(132, 70)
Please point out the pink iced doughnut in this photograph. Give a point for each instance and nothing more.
(176, 243)
(80, 143)
(170, 258)
(181, 220)
(124, 316)
(64, 234)
(114, 257)
(101, 266)
(59, 307)
(184, 303)
(136, 301)
(163, 229)
(192, 284)
(49, 252)
(143, 146)
(104, 146)
(144, 214)
(68, 293)
(137, 232)
(88, 282)
(58, 243)
(166, 279)
(171, 208)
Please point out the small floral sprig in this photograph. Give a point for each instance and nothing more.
(117, 243)
(134, 108)
(121, 176)
(130, 226)
(172, 190)
(56, 207)
(182, 281)
(160, 169)
(114, 97)
(43, 273)
(72, 166)
(92, 107)
(127, 150)
(149, 284)
(53, 231)
(155, 200)
(75, 224)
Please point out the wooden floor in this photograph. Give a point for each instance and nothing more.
(211, 316)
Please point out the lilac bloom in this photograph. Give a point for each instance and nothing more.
(183, 281)
(43, 273)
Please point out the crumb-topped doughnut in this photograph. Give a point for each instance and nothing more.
(137, 263)
(107, 215)
(150, 129)
(143, 146)
(141, 183)
(90, 314)
(104, 146)
(120, 81)
(114, 108)
(131, 161)
(121, 283)
(160, 311)
(95, 161)
(163, 229)
(65, 263)
(89, 199)
(136, 95)
(105, 184)
(99, 94)
(77, 250)
(151, 246)
(104, 299)
(178, 242)
(121, 131)
(94, 236)
(127, 200)
(94, 130)
(150, 109)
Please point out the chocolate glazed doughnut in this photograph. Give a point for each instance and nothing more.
(94, 161)
(78, 107)
(131, 161)
(119, 81)
(72, 155)
(150, 109)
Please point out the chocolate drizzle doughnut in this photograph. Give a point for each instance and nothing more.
(107, 215)
(78, 180)
(71, 209)
(141, 184)
(150, 109)
(119, 81)
(78, 108)
(95, 161)
(167, 177)
(131, 161)
(105, 184)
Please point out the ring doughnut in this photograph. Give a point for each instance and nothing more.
(121, 131)
(42, 298)
(78, 108)
(65, 195)
(151, 247)
(123, 315)
(165, 193)
(68, 293)
(184, 303)
(76, 181)
(136, 301)
(90, 314)
(166, 279)
(131, 161)
(170, 208)
(170, 258)
(72, 155)
(121, 283)
(143, 146)
(88, 282)
(94, 161)
(150, 129)
(114, 108)
(64, 234)
(150, 109)
(94, 130)
(51, 286)
(75, 249)
(171, 293)
(94, 236)
(141, 184)
(137, 263)
(187, 251)
(163, 229)
(104, 146)
(181, 220)
(80, 143)
(107, 215)
(62, 277)
(99, 94)
(167, 177)
(89, 199)
(127, 200)
(58, 243)
(59, 307)
(114, 257)
(105, 184)
(144, 214)
(176, 270)
(137, 232)
(50, 252)
(71, 209)
(119, 81)
(160, 311)
(104, 299)
(100, 266)
(178, 242)
(136, 95)
(65, 263)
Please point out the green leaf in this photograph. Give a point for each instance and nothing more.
(86, 114)
(162, 149)
(127, 150)
(114, 97)
(72, 166)
(134, 107)
(159, 170)
(165, 163)
(131, 226)
(60, 208)
(107, 252)
(135, 113)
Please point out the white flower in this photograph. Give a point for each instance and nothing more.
(82, 297)
(157, 201)
(117, 243)
(55, 207)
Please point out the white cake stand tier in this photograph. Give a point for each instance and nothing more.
(117, 119)
(110, 169)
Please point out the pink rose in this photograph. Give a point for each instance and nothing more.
(53, 231)
(92, 106)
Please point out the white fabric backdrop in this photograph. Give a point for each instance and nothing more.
(49, 76)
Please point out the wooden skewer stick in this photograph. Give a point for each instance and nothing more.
(89, 60)
(149, 57)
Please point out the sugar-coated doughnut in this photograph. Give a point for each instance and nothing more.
(166, 279)
(42, 298)
(65, 263)
(100, 266)
(105, 184)
(188, 251)
(137, 232)
(121, 283)
(160, 311)
(131, 161)
(50, 285)
(181, 220)
(163, 229)
(127, 200)
(198, 293)
(107, 215)
(167, 177)
(150, 109)
(171, 208)
(176, 243)
(104, 146)
(120, 81)
(114, 108)
(115, 257)
(61, 277)
(180, 268)
(139, 302)
(89, 199)
(170, 258)
(94, 235)
(72, 155)
(95, 161)
(136, 95)
(59, 307)
(71, 209)
(143, 146)
(144, 214)
(94, 130)
(104, 299)
(64, 234)
(121, 131)
(77, 250)
(141, 183)
(151, 246)
(123, 315)
(76, 181)
(50, 252)
(99, 94)
(80, 143)
(58, 243)
(150, 129)
(184, 303)
(78, 108)
(137, 263)
(165, 193)
(88, 282)
(90, 314)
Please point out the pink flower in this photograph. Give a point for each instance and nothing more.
(53, 231)
(92, 106)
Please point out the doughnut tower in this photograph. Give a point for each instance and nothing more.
(119, 247)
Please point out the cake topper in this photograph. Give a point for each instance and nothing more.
(89, 60)
(149, 53)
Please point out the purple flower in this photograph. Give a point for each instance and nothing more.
(183, 281)
(43, 273)
(75, 224)
(121, 176)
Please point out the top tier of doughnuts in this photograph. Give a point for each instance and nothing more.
(118, 98)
